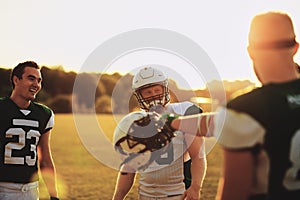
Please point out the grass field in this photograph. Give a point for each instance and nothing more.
(81, 176)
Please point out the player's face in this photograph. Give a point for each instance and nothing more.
(30, 84)
(152, 91)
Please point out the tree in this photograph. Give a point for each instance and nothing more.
(61, 104)
(86, 89)
(56, 81)
(5, 84)
(122, 94)
(104, 105)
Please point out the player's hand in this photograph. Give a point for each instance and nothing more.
(54, 198)
(192, 193)
(166, 118)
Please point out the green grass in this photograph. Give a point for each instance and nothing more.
(81, 176)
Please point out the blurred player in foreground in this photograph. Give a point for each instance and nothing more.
(163, 177)
(25, 128)
(261, 130)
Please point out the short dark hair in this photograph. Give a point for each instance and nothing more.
(18, 71)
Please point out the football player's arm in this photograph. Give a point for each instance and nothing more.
(240, 134)
(124, 183)
(237, 175)
(47, 167)
(198, 124)
(198, 168)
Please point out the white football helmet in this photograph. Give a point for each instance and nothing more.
(146, 77)
(140, 138)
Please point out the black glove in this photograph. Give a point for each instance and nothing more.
(153, 131)
(54, 198)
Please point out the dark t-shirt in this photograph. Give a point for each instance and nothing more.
(271, 132)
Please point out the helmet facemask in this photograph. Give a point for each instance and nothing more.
(155, 100)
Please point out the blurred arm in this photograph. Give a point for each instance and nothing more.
(237, 175)
(47, 165)
(199, 124)
(198, 168)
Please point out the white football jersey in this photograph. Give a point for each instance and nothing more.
(164, 177)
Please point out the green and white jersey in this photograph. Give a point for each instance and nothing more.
(20, 130)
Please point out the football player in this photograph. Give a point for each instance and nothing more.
(164, 176)
(25, 128)
(260, 130)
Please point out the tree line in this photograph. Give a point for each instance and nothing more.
(100, 93)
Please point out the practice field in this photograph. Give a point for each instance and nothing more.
(82, 176)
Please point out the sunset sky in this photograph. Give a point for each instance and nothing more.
(66, 33)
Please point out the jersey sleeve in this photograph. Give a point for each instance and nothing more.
(50, 123)
(192, 109)
(47, 117)
(237, 130)
(185, 108)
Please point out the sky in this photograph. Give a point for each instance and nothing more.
(72, 33)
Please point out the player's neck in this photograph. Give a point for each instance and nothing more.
(277, 72)
(19, 101)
